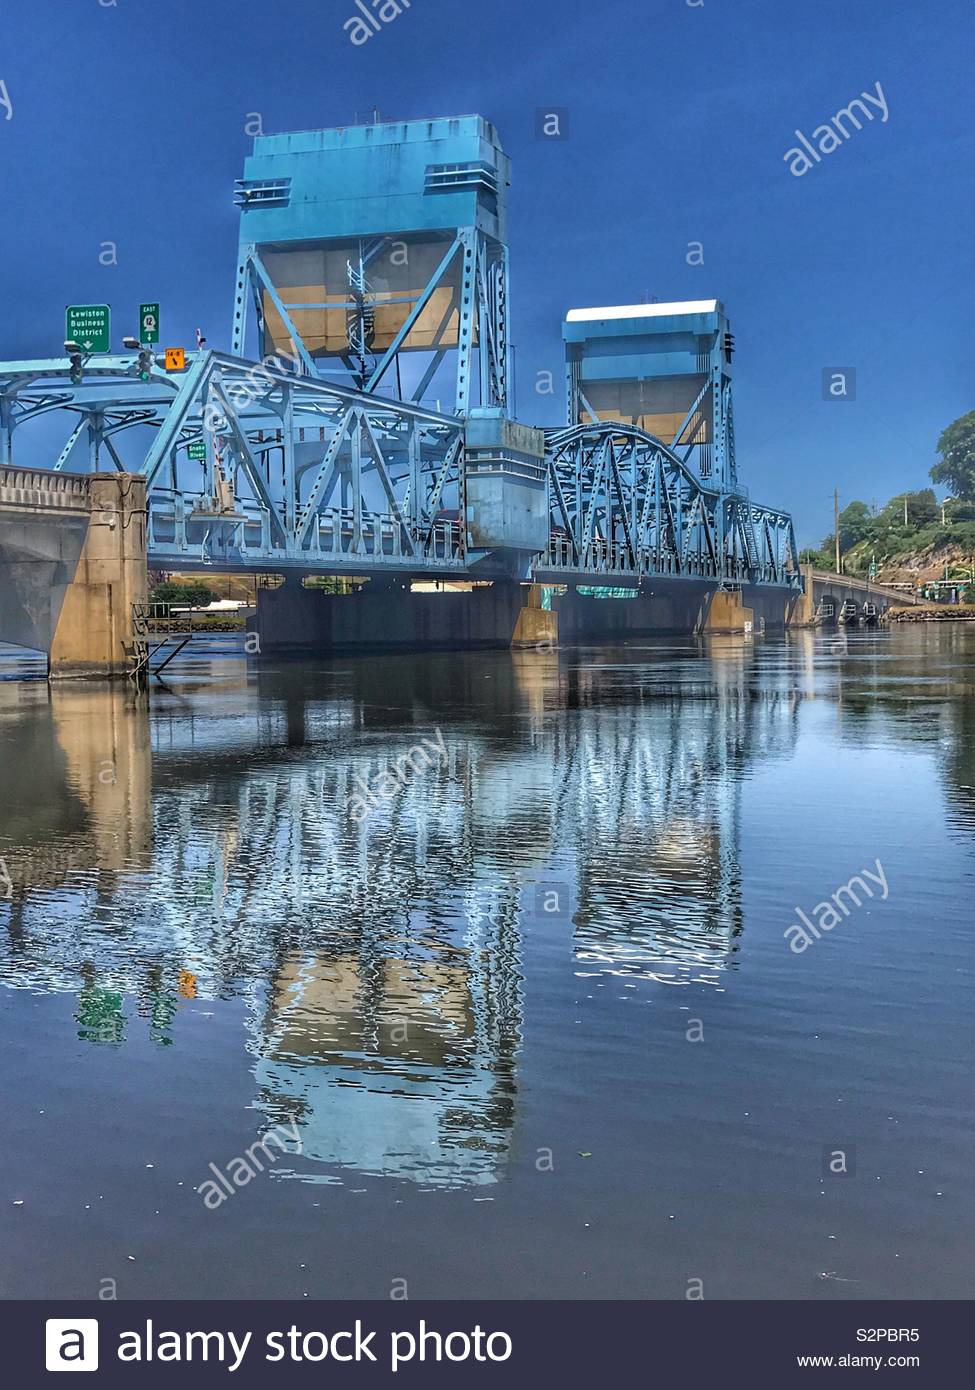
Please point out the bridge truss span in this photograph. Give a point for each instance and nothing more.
(624, 505)
(251, 466)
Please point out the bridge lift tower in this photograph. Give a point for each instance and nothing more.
(663, 368)
(370, 252)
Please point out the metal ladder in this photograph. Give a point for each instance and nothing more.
(141, 651)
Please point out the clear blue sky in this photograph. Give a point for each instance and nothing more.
(128, 126)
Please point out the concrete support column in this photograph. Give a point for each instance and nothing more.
(727, 613)
(804, 611)
(95, 634)
(536, 625)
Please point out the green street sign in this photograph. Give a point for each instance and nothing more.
(89, 325)
(197, 451)
(148, 323)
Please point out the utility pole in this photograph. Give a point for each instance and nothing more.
(836, 526)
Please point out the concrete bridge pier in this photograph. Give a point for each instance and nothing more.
(727, 613)
(72, 564)
(95, 636)
(536, 626)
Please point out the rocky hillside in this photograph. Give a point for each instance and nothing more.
(920, 558)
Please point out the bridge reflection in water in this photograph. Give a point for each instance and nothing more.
(203, 851)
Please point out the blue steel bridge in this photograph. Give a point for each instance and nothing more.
(362, 423)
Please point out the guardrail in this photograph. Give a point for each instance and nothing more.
(870, 586)
(159, 620)
(39, 487)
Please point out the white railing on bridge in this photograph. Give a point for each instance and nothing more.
(39, 487)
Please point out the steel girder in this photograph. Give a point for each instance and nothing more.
(300, 474)
(625, 505)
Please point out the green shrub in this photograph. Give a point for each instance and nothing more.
(192, 595)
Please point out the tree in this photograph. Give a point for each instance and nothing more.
(855, 522)
(922, 509)
(957, 449)
(192, 595)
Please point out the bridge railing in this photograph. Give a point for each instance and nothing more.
(28, 487)
(893, 593)
(383, 535)
(611, 557)
(598, 557)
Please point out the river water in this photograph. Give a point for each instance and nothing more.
(484, 975)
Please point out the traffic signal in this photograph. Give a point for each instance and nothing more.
(145, 364)
(75, 356)
(729, 345)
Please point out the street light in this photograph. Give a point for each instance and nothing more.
(132, 344)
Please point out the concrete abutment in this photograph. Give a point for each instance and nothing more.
(94, 633)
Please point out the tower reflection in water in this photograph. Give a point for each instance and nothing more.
(382, 962)
(652, 796)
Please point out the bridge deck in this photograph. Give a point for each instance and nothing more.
(865, 586)
(250, 466)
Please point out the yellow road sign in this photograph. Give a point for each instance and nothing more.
(175, 359)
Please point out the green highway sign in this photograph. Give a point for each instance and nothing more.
(90, 326)
(197, 451)
(148, 323)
